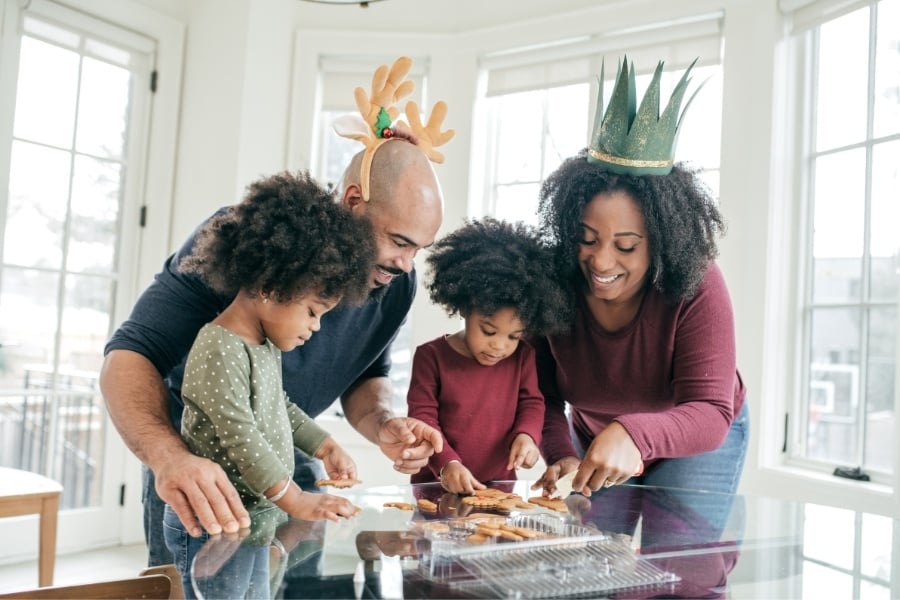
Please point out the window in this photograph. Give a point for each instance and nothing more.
(76, 140)
(849, 149)
(540, 105)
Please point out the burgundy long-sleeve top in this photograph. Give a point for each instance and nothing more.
(669, 377)
(477, 409)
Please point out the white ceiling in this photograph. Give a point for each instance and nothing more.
(436, 16)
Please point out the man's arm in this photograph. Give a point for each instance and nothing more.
(197, 489)
(406, 441)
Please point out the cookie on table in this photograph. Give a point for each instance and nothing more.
(338, 483)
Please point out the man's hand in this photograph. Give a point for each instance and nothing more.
(199, 492)
(408, 443)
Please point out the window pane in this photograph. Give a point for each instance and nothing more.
(27, 322)
(103, 109)
(887, 69)
(700, 134)
(36, 216)
(882, 367)
(842, 80)
(821, 527)
(517, 203)
(875, 546)
(884, 243)
(337, 151)
(85, 322)
(821, 582)
(839, 214)
(95, 213)
(567, 124)
(834, 386)
(518, 152)
(45, 96)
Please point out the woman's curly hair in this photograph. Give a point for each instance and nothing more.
(679, 211)
(287, 238)
(488, 265)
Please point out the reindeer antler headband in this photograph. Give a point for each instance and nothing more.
(378, 113)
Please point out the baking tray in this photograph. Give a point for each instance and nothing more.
(569, 561)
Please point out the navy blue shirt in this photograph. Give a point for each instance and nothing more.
(353, 343)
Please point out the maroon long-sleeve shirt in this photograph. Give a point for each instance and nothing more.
(477, 409)
(669, 377)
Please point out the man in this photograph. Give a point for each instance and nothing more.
(349, 358)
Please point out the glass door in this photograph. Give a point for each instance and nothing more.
(77, 99)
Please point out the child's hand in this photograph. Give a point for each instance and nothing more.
(457, 479)
(315, 507)
(523, 452)
(338, 463)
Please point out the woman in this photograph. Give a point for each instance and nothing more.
(648, 369)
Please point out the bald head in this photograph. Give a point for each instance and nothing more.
(405, 204)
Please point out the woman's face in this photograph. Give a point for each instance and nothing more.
(613, 248)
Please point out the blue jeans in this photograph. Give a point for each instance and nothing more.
(244, 575)
(306, 473)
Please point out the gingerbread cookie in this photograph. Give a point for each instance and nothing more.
(400, 505)
(556, 503)
(426, 505)
(338, 483)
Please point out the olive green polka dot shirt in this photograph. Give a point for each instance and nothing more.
(237, 414)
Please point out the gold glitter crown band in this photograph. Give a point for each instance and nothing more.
(378, 116)
(638, 142)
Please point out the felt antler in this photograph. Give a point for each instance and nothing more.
(388, 88)
(430, 135)
(378, 111)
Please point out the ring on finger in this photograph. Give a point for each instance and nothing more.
(608, 483)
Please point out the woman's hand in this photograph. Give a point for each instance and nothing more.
(611, 458)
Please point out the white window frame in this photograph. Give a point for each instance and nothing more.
(151, 185)
(557, 63)
(779, 282)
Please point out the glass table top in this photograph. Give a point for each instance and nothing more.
(622, 542)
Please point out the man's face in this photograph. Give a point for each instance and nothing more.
(402, 226)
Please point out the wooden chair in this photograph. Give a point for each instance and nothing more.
(147, 586)
(26, 493)
(177, 591)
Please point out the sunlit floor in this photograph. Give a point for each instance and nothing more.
(118, 562)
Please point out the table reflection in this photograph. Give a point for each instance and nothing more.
(700, 539)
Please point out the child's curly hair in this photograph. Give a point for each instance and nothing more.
(488, 265)
(680, 214)
(287, 238)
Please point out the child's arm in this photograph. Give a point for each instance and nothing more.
(523, 452)
(524, 448)
(288, 496)
(422, 401)
(315, 441)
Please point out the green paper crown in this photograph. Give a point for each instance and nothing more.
(641, 142)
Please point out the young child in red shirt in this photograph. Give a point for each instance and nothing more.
(479, 386)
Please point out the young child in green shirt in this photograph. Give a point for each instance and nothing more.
(288, 254)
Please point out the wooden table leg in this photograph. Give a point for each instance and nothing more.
(47, 547)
